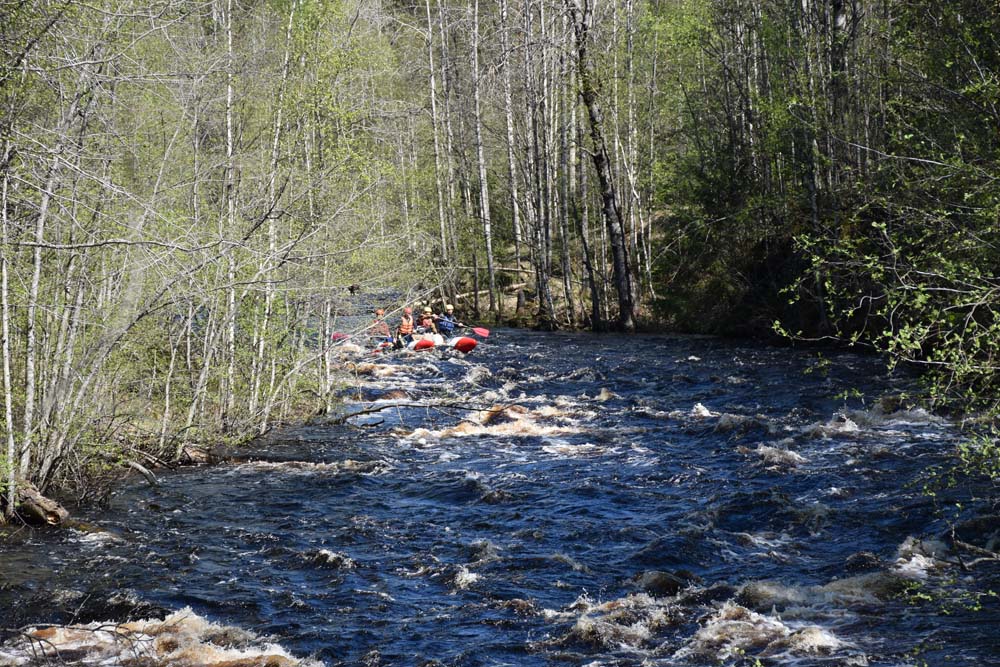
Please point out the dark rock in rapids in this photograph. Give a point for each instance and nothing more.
(863, 561)
(696, 597)
(663, 584)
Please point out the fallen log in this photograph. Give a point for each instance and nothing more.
(34, 508)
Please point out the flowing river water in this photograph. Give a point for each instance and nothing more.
(643, 500)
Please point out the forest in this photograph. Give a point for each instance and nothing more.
(191, 187)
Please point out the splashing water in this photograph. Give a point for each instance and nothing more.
(550, 499)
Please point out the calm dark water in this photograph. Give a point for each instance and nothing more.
(648, 501)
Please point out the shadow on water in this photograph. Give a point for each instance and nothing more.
(628, 501)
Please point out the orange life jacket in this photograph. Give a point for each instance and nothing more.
(405, 325)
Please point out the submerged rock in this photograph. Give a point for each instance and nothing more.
(661, 584)
(863, 561)
(694, 597)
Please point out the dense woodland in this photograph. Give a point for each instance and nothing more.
(189, 188)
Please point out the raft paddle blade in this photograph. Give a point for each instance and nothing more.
(479, 331)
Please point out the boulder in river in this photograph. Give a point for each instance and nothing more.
(663, 584)
(863, 561)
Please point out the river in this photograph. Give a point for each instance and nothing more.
(644, 500)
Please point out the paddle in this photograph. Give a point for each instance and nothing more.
(480, 331)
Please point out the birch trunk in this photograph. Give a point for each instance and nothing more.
(271, 261)
(436, 130)
(8, 388)
(227, 399)
(508, 108)
(484, 191)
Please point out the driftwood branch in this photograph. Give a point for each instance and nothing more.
(985, 554)
(138, 467)
(33, 507)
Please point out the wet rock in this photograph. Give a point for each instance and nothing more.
(878, 585)
(697, 597)
(739, 424)
(520, 607)
(332, 559)
(663, 584)
(478, 374)
(764, 595)
(780, 457)
(605, 395)
(496, 497)
(501, 413)
(863, 561)
(840, 425)
(394, 395)
(809, 640)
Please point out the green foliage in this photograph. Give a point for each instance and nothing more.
(979, 455)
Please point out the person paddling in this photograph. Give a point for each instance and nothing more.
(426, 322)
(378, 329)
(404, 332)
(447, 322)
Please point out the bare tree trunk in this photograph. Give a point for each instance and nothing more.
(538, 169)
(566, 94)
(272, 262)
(624, 283)
(449, 132)
(168, 385)
(509, 122)
(8, 388)
(582, 215)
(436, 130)
(30, 352)
(228, 398)
(484, 191)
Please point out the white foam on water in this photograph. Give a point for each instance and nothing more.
(734, 631)
(465, 578)
(310, 467)
(830, 599)
(500, 421)
(605, 395)
(699, 411)
(182, 638)
(629, 623)
(838, 426)
(917, 558)
(778, 456)
(910, 417)
(334, 559)
(94, 537)
(568, 450)
(477, 375)
(350, 349)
